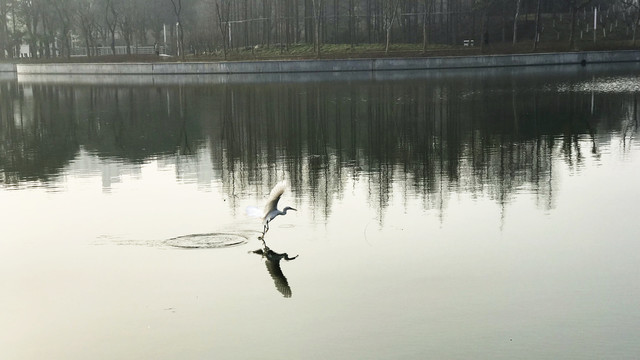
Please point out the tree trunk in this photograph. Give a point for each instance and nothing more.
(113, 41)
(351, 24)
(316, 35)
(88, 46)
(3, 29)
(515, 22)
(635, 27)
(388, 18)
(426, 20)
(223, 24)
(388, 42)
(266, 11)
(574, 10)
(336, 22)
(317, 12)
(536, 32)
(484, 38)
(181, 40)
(177, 11)
(308, 22)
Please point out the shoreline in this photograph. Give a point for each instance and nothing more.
(325, 66)
(323, 77)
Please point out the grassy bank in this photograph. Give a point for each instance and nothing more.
(341, 51)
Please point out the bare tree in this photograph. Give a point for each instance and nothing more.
(111, 16)
(632, 8)
(48, 35)
(352, 25)
(426, 21)
(129, 16)
(536, 33)
(574, 7)
(44, 24)
(30, 19)
(515, 21)
(318, 6)
(4, 29)
(389, 14)
(86, 23)
(64, 10)
(177, 10)
(484, 7)
(223, 9)
(155, 19)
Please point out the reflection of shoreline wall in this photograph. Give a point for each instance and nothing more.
(487, 136)
(8, 76)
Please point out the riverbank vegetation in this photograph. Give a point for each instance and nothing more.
(141, 30)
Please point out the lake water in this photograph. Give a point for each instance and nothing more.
(468, 214)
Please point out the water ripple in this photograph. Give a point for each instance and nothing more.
(215, 240)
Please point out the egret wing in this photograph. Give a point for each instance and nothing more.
(274, 197)
(253, 211)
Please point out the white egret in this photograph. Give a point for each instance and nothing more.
(271, 209)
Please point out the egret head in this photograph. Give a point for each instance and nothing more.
(288, 208)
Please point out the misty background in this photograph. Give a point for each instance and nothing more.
(49, 28)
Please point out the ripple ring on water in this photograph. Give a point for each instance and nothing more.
(207, 241)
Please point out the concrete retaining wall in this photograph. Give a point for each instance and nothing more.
(212, 79)
(5, 67)
(302, 66)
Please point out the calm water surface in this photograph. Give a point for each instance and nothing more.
(449, 215)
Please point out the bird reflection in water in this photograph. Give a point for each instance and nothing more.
(272, 261)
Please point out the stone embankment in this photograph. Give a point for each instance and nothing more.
(324, 66)
(6, 67)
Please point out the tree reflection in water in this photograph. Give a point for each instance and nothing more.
(483, 135)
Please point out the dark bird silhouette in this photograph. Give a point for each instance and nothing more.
(272, 261)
